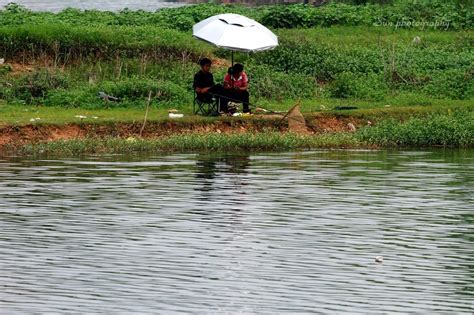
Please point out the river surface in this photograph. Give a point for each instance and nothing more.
(117, 5)
(239, 234)
(109, 5)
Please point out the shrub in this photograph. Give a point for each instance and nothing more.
(349, 85)
(34, 87)
(131, 91)
(447, 129)
(453, 84)
(275, 85)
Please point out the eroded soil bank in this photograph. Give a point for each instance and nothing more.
(17, 136)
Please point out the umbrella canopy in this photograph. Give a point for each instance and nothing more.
(235, 32)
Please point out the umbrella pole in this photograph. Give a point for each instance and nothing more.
(232, 62)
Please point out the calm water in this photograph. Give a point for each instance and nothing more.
(117, 5)
(267, 233)
(112, 5)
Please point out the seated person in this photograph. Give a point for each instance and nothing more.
(205, 87)
(236, 83)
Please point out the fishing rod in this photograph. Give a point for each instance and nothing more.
(284, 115)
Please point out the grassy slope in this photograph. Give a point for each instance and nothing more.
(396, 108)
(405, 114)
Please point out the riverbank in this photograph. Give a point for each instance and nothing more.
(412, 84)
(370, 128)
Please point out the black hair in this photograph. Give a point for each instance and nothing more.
(238, 67)
(205, 61)
(230, 70)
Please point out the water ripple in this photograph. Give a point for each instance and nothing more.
(269, 233)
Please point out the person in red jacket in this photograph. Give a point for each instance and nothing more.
(236, 83)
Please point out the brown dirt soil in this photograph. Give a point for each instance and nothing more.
(329, 124)
(18, 68)
(21, 135)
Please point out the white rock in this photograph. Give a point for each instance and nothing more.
(351, 127)
(416, 40)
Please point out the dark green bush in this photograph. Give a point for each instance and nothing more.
(100, 42)
(369, 86)
(131, 91)
(275, 85)
(34, 87)
(436, 12)
(84, 97)
(453, 84)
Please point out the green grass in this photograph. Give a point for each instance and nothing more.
(211, 142)
(21, 115)
(374, 37)
(401, 107)
(456, 129)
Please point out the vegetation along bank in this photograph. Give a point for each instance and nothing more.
(407, 67)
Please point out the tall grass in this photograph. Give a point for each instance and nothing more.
(30, 41)
(210, 142)
(452, 129)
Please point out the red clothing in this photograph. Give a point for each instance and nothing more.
(239, 82)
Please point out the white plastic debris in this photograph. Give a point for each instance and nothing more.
(35, 119)
(80, 116)
(173, 115)
(379, 259)
(2, 61)
(351, 127)
(237, 114)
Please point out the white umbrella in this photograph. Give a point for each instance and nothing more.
(236, 33)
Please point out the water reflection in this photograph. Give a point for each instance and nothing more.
(260, 233)
(208, 166)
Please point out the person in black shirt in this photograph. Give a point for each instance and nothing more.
(205, 87)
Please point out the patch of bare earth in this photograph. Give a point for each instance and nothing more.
(21, 135)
